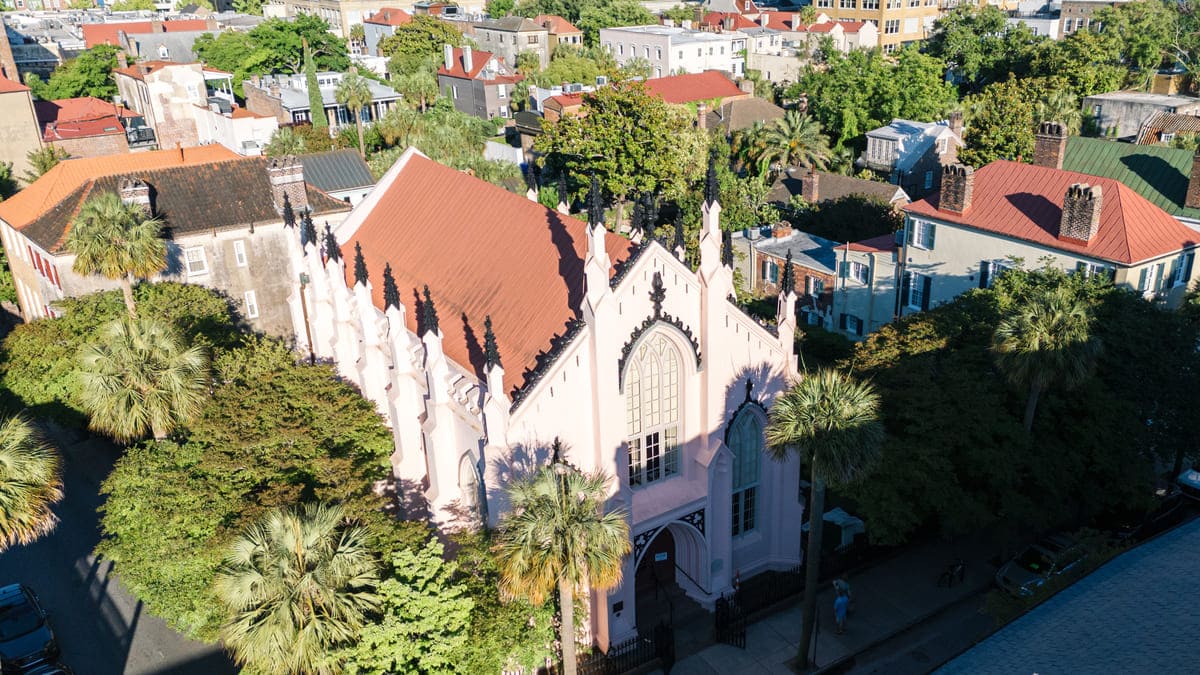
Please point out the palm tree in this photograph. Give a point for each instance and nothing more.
(747, 145)
(30, 481)
(559, 535)
(285, 141)
(296, 585)
(117, 240)
(138, 377)
(1044, 342)
(832, 421)
(354, 92)
(796, 139)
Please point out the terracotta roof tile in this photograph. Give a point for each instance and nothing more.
(81, 108)
(483, 251)
(693, 87)
(106, 33)
(69, 175)
(389, 16)
(1025, 202)
(8, 86)
(555, 24)
(567, 100)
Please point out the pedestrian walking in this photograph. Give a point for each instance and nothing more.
(841, 605)
(842, 587)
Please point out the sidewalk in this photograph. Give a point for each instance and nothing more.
(888, 598)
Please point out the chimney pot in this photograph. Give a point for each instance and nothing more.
(958, 184)
(1081, 212)
(1192, 199)
(1050, 145)
(448, 55)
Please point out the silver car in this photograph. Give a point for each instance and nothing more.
(1052, 556)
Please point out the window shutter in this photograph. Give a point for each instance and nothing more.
(1081, 268)
(845, 269)
(926, 282)
(985, 267)
(842, 321)
(1175, 265)
(905, 288)
(931, 232)
(763, 266)
(859, 327)
(1187, 267)
(1143, 279)
(1162, 281)
(909, 231)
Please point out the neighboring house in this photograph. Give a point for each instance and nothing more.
(560, 31)
(479, 83)
(1121, 114)
(341, 174)
(511, 36)
(539, 96)
(111, 33)
(845, 35)
(535, 326)
(898, 22)
(90, 127)
(20, 132)
(821, 186)
(240, 130)
(814, 269)
(341, 15)
(912, 154)
(383, 24)
(775, 59)
(1042, 23)
(166, 94)
(1162, 127)
(285, 97)
(562, 105)
(671, 49)
(1149, 586)
(1077, 14)
(868, 285)
(176, 46)
(741, 113)
(221, 212)
(692, 88)
(1168, 177)
(1007, 214)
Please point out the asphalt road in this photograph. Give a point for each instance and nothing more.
(101, 627)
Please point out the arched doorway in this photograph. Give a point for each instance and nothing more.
(667, 575)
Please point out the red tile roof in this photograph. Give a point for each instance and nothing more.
(1023, 201)
(694, 87)
(478, 60)
(880, 244)
(555, 24)
(106, 33)
(717, 20)
(81, 108)
(483, 251)
(852, 26)
(389, 16)
(8, 86)
(142, 68)
(568, 100)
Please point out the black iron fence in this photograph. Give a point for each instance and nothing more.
(630, 655)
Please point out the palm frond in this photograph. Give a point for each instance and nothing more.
(30, 482)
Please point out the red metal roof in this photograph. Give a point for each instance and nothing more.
(8, 86)
(1023, 201)
(106, 33)
(99, 126)
(555, 24)
(478, 60)
(80, 108)
(483, 251)
(389, 16)
(693, 87)
(880, 244)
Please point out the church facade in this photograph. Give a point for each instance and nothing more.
(485, 326)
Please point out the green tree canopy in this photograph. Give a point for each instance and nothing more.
(30, 482)
(1000, 123)
(89, 74)
(611, 14)
(423, 36)
(979, 45)
(118, 241)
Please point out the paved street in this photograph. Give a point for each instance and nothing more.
(103, 629)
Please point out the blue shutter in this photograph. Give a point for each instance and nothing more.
(1187, 267)
(932, 231)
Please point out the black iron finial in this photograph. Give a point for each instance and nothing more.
(391, 294)
(637, 221)
(657, 293)
(429, 313)
(727, 248)
(595, 204)
(712, 187)
(557, 448)
(749, 388)
(360, 265)
(332, 251)
(491, 353)
(289, 215)
(788, 283)
(308, 231)
(649, 214)
(563, 196)
(679, 239)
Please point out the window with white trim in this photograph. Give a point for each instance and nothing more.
(921, 234)
(770, 271)
(915, 290)
(239, 253)
(1182, 269)
(990, 270)
(1092, 269)
(251, 300)
(859, 272)
(814, 286)
(746, 443)
(195, 260)
(652, 411)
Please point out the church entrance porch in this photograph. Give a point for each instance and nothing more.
(660, 598)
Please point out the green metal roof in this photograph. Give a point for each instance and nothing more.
(336, 170)
(1158, 173)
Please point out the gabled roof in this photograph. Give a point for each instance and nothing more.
(479, 59)
(80, 108)
(833, 186)
(8, 86)
(913, 139)
(555, 24)
(1022, 201)
(336, 170)
(1158, 173)
(483, 251)
(389, 16)
(693, 87)
(139, 70)
(735, 19)
(566, 100)
(880, 244)
(105, 125)
(1166, 123)
(197, 198)
(743, 113)
(68, 175)
(106, 33)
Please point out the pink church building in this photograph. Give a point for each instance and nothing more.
(485, 326)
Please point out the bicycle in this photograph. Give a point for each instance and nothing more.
(956, 569)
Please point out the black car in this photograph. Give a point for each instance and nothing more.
(46, 668)
(25, 635)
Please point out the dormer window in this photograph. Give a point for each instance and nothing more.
(164, 53)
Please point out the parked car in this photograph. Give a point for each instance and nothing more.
(1052, 556)
(1189, 483)
(25, 635)
(47, 668)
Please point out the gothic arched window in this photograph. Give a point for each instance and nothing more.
(746, 442)
(652, 411)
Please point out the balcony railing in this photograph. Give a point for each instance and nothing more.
(140, 136)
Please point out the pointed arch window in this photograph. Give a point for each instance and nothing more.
(746, 442)
(652, 411)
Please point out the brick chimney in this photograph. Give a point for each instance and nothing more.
(1081, 212)
(956, 122)
(781, 229)
(1192, 199)
(810, 186)
(747, 86)
(1050, 145)
(702, 115)
(135, 191)
(958, 184)
(122, 59)
(287, 177)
